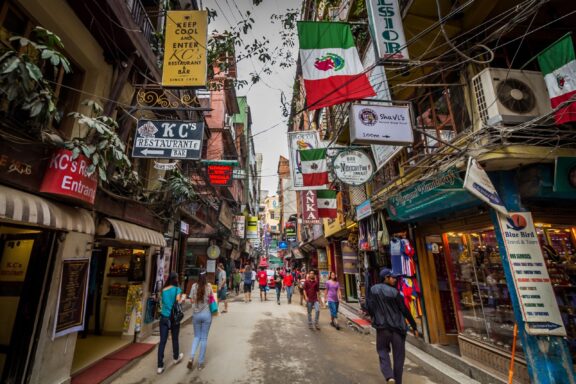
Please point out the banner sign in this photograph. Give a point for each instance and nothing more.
(310, 208)
(220, 175)
(185, 49)
(386, 28)
(478, 183)
(71, 304)
(165, 166)
(239, 226)
(168, 139)
(290, 231)
(300, 140)
(353, 167)
(380, 124)
(531, 280)
(252, 227)
(67, 177)
(363, 210)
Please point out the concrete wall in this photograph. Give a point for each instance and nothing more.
(53, 359)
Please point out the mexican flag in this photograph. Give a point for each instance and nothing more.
(331, 67)
(314, 166)
(558, 65)
(326, 200)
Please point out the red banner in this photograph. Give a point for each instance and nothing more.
(67, 177)
(310, 208)
(220, 175)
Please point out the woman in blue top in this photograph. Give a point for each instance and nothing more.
(170, 293)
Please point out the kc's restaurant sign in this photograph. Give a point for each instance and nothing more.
(168, 139)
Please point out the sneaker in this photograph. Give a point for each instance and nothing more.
(391, 381)
(317, 327)
(160, 370)
(179, 359)
(190, 364)
(201, 366)
(337, 327)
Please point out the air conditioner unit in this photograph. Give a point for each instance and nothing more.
(509, 96)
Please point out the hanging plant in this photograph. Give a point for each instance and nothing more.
(101, 145)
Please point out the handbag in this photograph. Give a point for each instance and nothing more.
(177, 314)
(213, 304)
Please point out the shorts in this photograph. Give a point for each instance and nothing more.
(263, 287)
(222, 293)
(333, 305)
(247, 287)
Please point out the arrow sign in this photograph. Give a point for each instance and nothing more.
(147, 152)
(544, 325)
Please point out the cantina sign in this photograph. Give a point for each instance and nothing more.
(66, 176)
(353, 167)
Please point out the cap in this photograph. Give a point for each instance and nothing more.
(385, 272)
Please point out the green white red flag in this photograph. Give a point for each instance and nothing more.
(331, 68)
(314, 167)
(326, 202)
(558, 64)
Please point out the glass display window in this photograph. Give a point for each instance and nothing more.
(480, 293)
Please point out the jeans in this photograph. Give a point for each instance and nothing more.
(201, 321)
(165, 326)
(385, 339)
(316, 307)
(289, 291)
(333, 305)
(278, 291)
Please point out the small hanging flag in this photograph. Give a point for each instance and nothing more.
(314, 167)
(558, 65)
(327, 204)
(331, 68)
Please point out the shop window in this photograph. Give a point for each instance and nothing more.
(481, 296)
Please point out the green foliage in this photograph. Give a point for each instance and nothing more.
(22, 78)
(101, 145)
(179, 188)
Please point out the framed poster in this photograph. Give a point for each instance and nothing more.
(72, 293)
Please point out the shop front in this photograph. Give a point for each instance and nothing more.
(128, 266)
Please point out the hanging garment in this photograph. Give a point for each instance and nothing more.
(133, 303)
(407, 259)
(396, 255)
(410, 290)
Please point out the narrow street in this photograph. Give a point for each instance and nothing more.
(262, 342)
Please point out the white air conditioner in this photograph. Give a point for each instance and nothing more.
(509, 96)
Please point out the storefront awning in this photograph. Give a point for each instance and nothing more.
(25, 208)
(136, 234)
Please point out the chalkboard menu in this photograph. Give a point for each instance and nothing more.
(72, 296)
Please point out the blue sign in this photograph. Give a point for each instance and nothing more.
(282, 245)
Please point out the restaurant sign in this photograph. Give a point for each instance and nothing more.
(380, 124)
(68, 176)
(353, 167)
(168, 139)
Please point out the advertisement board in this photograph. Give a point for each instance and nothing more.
(387, 30)
(380, 124)
(185, 49)
(252, 227)
(168, 139)
(353, 167)
(239, 226)
(71, 304)
(300, 140)
(479, 184)
(310, 208)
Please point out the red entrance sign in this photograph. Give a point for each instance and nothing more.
(220, 175)
(67, 177)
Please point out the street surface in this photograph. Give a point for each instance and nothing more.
(262, 342)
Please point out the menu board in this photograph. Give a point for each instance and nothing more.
(72, 296)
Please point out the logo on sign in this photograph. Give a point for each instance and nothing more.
(368, 116)
(517, 222)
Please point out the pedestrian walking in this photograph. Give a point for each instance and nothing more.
(262, 282)
(237, 280)
(289, 285)
(201, 319)
(247, 284)
(222, 288)
(170, 294)
(311, 288)
(389, 314)
(333, 297)
(278, 284)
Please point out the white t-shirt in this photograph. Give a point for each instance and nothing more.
(253, 275)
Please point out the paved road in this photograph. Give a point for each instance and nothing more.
(262, 342)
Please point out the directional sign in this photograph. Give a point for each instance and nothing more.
(168, 139)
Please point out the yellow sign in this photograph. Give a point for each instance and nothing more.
(16, 256)
(185, 49)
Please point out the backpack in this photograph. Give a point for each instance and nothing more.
(177, 314)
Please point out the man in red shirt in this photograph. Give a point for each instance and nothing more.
(311, 288)
(289, 285)
(262, 281)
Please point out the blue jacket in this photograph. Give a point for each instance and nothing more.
(386, 307)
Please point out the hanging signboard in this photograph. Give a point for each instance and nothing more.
(300, 140)
(363, 210)
(239, 226)
(478, 183)
(72, 296)
(384, 153)
(252, 227)
(531, 280)
(168, 139)
(380, 124)
(353, 167)
(386, 28)
(310, 208)
(165, 166)
(69, 177)
(213, 252)
(185, 49)
(220, 175)
(239, 174)
(290, 231)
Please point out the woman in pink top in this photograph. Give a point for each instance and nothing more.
(333, 297)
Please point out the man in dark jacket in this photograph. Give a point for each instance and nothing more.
(389, 315)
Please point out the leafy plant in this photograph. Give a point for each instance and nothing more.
(179, 187)
(22, 79)
(101, 145)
